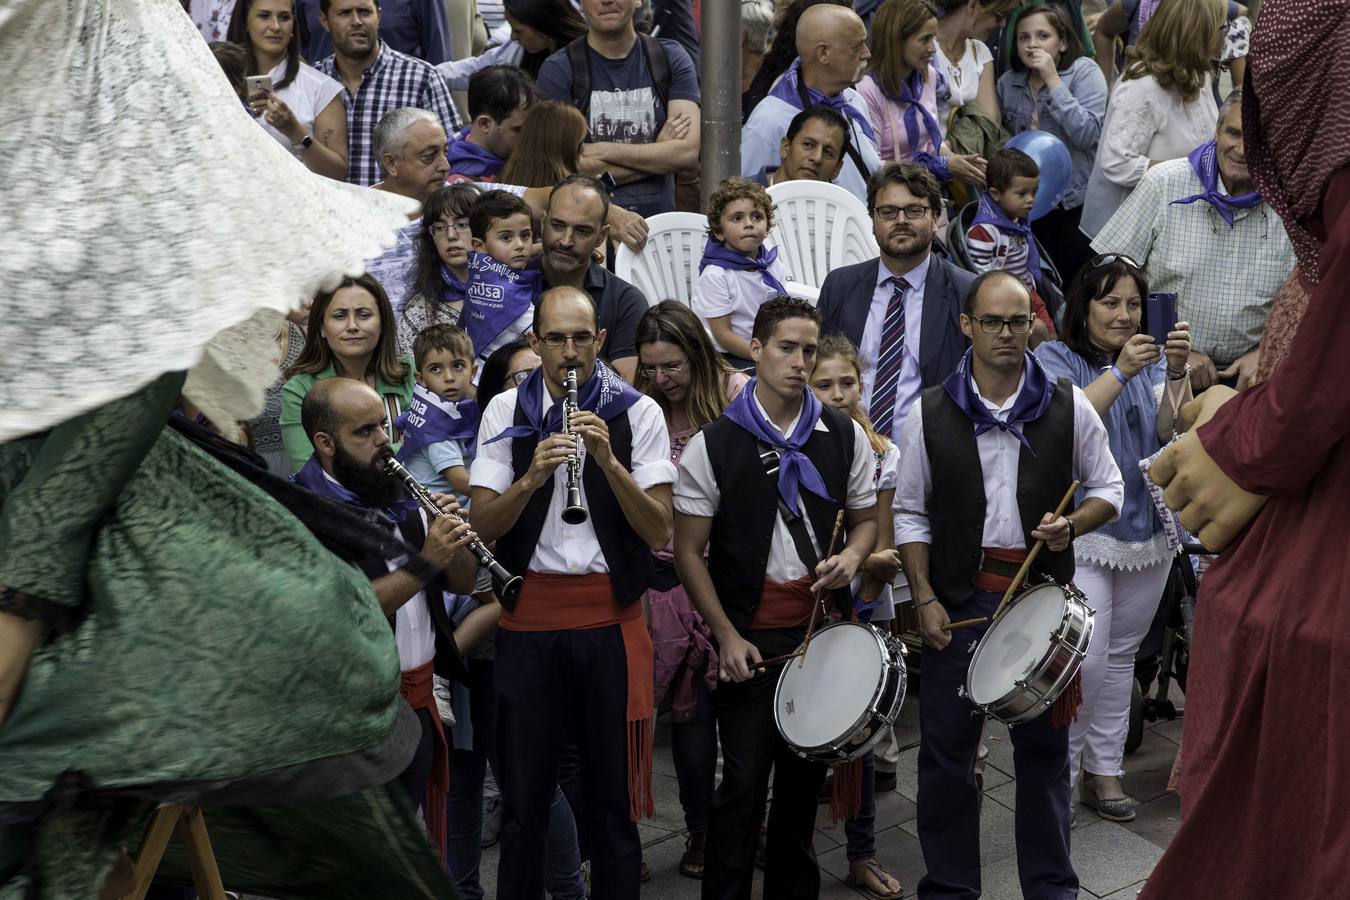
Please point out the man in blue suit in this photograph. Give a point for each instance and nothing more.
(902, 310)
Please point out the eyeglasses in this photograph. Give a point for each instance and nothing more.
(518, 378)
(890, 213)
(994, 324)
(557, 341)
(440, 229)
(1110, 259)
(670, 370)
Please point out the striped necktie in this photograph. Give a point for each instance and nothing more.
(889, 360)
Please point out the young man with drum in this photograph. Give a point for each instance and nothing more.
(763, 485)
(574, 658)
(983, 457)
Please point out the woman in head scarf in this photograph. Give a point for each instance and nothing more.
(1264, 779)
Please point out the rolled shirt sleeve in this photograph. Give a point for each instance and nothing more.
(651, 445)
(862, 488)
(696, 491)
(492, 468)
(914, 483)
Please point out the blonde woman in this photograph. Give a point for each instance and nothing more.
(1162, 108)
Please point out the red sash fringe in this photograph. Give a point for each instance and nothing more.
(416, 688)
(575, 602)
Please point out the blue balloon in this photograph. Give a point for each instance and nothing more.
(1056, 167)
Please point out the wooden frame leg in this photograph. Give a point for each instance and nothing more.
(151, 851)
(192, 828)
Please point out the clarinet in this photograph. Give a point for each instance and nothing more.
(575, 513)
(506, 585)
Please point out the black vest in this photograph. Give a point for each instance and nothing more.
(743, 529)
(448, 663)
(627, 555)
(956, 504)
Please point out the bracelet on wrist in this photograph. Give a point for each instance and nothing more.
(1120, 376)
(920, 604)
(1177, 376)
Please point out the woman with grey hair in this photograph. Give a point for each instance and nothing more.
(756, 37)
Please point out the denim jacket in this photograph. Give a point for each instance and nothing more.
(1072, 112)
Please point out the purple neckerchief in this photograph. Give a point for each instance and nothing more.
(716, 253)
(1205, 162)
(604, 393)
(497, 295)
(452, 289)
(430, 420)
(472, 161)
(911, 94)
(789, 89)
(312, 476)
(990, 213)
(795, 469)
(1030, 405)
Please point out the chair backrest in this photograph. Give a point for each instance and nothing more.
(667, 267)
(818, 227)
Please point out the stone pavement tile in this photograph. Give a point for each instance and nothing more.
(1148, 769)
(1170, 730)
(1107, 857)
(897, 850)
(1158, 820)
(999, 881)
(996, 832)
(1126, 893)
(892, 809)
(663, 858)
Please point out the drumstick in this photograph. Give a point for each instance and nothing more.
(1031, 557)
(965, 623)
(815, 595)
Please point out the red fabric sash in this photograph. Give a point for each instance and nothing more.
(784, 604)
(416, 689)
(991, 581)
(574, 602)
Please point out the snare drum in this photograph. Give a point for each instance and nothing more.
(1030, 653)
(836, 705)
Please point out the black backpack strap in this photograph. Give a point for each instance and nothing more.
(581, 76)
(658, 65)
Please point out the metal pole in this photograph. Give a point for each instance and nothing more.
(720, 155)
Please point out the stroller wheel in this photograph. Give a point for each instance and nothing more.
(1135, 736)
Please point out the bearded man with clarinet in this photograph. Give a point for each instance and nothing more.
(345, 420)
(574, 658)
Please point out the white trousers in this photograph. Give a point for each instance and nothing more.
(1125, 603)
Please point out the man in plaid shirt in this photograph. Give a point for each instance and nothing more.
(377, 79)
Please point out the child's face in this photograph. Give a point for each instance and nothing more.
(451, 236)
(742, 227)
(446, 374)
(1036, 35)
(508, 240)
(835, 382)
(1020, 196)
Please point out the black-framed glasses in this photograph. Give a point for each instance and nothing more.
(891, 213)
(994, 324)
(670, 370)
(1103, 260)
(440, 229)
(557, 341)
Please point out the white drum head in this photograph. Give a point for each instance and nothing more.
(1015, 643)
(820, 702)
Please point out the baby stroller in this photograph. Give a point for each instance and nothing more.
(1050, 286)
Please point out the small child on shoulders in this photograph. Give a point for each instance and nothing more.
(737, 274)
(1000, 237)
(439, 426)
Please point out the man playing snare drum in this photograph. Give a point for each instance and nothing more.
(983, 457)
(758, 587)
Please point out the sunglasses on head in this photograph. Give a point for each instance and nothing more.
(1109, 259)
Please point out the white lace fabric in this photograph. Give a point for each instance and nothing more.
(1123, 556)
(147, 223)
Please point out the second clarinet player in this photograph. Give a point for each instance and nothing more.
(573, 653)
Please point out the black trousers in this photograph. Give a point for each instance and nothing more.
(751, 747)
(414, 778)
(553, 686)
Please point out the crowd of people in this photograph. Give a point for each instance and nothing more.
(684, 486)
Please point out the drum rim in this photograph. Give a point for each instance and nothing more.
(867, 713)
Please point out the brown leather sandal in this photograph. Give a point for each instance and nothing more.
(881, 875)
(691, 863)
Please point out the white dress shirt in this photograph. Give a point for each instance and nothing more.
(1000, 452)
(570, 549)
(909, 385)
(733, 292)
(697, 494)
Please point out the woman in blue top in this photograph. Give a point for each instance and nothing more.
(1121, 567)
(1053, 87)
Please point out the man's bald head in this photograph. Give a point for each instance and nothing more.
(331, 401)
(832, 45)
(563, 298)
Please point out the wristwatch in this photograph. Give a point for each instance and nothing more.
(305, 143)
(1073, 529)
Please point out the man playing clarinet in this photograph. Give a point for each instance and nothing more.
(574, 658)
(983, 456)
(765, 482)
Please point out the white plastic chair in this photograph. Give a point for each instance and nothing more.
(818, 227)
(667, 268)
